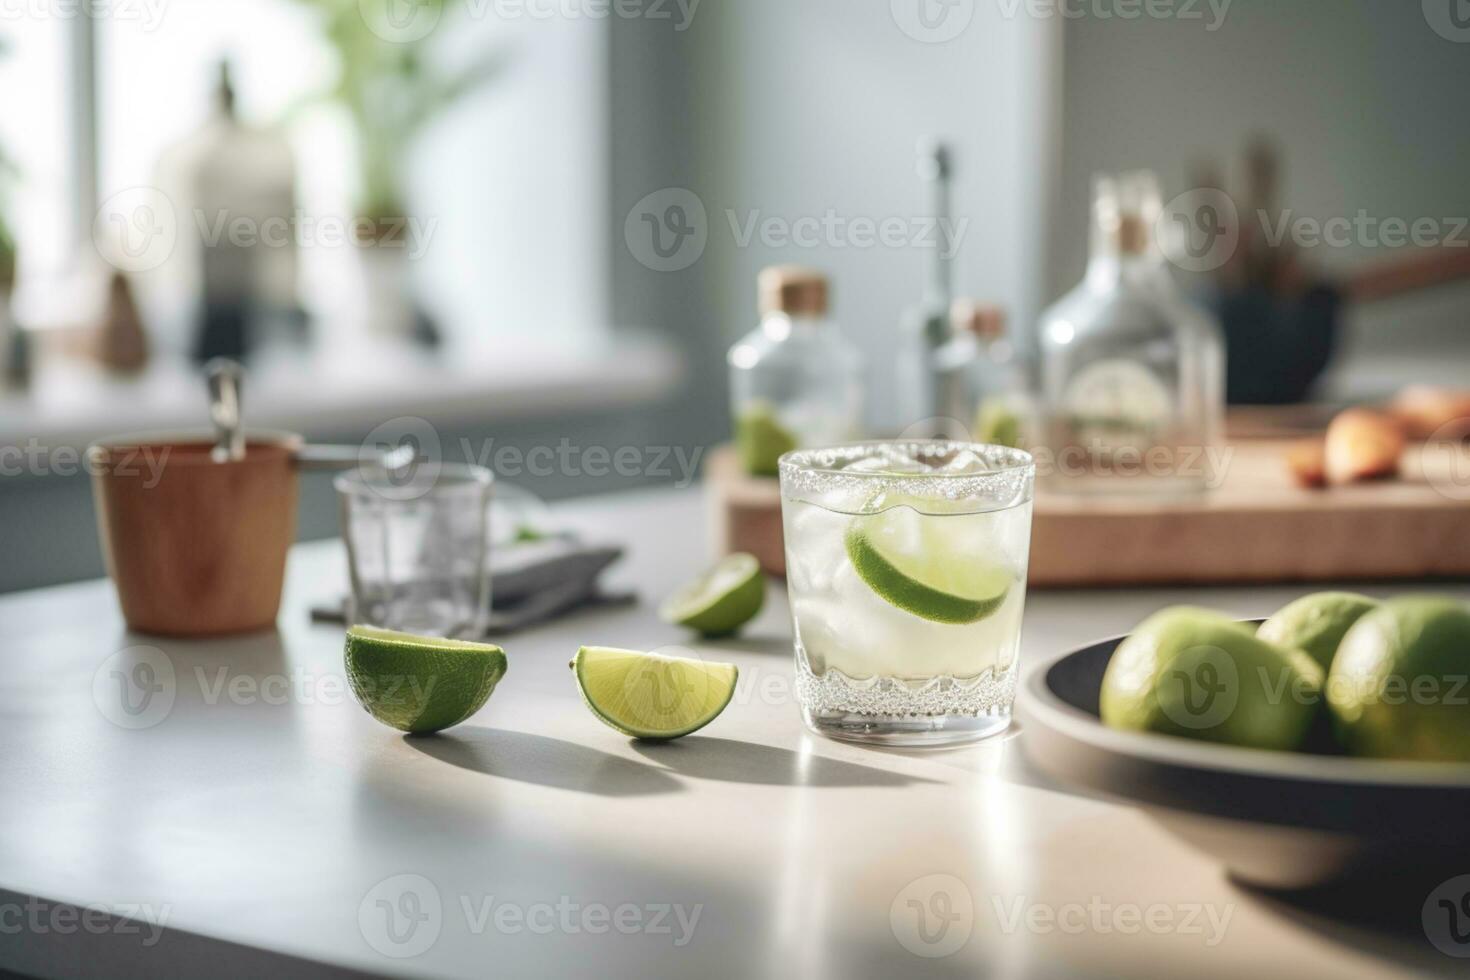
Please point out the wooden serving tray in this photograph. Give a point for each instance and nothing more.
(1257, 527)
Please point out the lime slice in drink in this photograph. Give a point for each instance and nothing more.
(420, 684)
(722, 600)
(647, 695)
(918, 564)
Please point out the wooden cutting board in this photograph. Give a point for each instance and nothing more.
(1258, 526)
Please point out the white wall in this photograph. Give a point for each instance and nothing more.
(804, 107)
(515, 175)
(1367, 100)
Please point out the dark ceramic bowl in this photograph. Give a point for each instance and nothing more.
(1275, 819)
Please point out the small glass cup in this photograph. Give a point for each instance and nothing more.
(906, 570)
(418, 547)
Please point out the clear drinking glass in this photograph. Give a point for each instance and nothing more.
(418, 547)
(906, 569)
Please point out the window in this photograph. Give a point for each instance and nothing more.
(507, 182)
(35, 137)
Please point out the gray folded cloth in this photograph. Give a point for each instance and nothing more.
(532, 582)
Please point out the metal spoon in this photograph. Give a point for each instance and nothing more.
(225, 382)
(318, 457)
(225, 378)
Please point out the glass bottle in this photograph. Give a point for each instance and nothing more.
(1132, 372)
(925, 327)
(795, 382)
(982, 385)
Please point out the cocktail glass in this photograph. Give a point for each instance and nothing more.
(906, 570)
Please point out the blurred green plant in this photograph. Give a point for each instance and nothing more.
(9, 173)
(392, 89)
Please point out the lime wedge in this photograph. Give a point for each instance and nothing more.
(647, 695)
(914, 562)
(420, 684)
(721, 600)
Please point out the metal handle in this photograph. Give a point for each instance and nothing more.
(347, 457)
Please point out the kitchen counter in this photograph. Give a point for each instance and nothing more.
(525, 396)
(250, 818)
(71, 403)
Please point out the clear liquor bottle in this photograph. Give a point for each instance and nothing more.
(1132, 372)
(925, 327)
(982, 383)
(795, 381)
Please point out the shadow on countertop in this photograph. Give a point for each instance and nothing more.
(1387, 916)
(733, 761)
(760, 644)
(543, 761)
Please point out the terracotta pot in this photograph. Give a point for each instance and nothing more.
(196, 547)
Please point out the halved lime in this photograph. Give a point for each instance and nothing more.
(721, 600)
(420, 684)
(914, 562)
(648, 695)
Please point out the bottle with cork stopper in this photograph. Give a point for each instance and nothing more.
(983, 386)
(1132, 372)
(795, 381)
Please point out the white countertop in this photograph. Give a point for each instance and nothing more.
(268, 816)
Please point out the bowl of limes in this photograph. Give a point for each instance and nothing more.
(1327, 742)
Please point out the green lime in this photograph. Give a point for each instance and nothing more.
(1198, 674)
(998, 424)
(1316, 623)
(761, 439)
(648, 695)
(916, 563)
(1400, 684)
(420, 684)
(721, 600)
